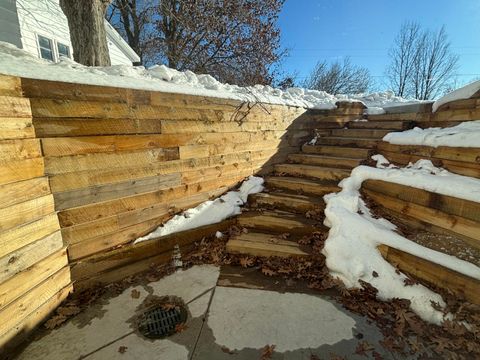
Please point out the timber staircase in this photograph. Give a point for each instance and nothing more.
(292, 205)
(285, 212)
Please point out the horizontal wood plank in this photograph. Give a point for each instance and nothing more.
(28, 255)
(21, 191)
(31, 277)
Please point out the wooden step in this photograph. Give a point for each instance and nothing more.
(318, 172)
(440, 276)
(347, 141)
(280, 222)
(360, 133)
(388, 125)
(467, 229)
(351, 152)
(323, 160)
(259, 244)
(302, 185)
(286, 201)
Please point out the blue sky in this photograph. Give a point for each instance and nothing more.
(364, 30)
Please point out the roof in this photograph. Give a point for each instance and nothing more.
(115, 37)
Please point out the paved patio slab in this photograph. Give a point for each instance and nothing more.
(224, 323)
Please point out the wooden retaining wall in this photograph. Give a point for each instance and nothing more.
(34, 272)
(119, 162)
(424, 210)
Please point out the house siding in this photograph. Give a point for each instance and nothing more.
(9, 27)
(46, 18)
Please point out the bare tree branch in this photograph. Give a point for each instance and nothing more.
(339, 78)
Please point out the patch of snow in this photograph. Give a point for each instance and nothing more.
(209, 212)
(465, 92)
(375, 111)
(218, 234)
(17, 62)
(466, 134)
(351, 248)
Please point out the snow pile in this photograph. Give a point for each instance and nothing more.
(466, 134)
(465, 92)
(17, 62)
(351, 247)
(209, 212)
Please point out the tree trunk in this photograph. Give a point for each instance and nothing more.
(87, 30)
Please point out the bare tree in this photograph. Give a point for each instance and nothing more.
(236, 41)
(133, 19)
(339, 78)
(403, 56)
(422, 63)
(87, 30)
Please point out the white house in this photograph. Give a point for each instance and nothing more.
(41, 28)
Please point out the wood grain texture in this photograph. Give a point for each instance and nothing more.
(438, 275)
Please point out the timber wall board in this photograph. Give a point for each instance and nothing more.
(34, 272)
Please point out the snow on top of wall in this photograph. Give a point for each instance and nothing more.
(466, 134)
(17, 62)
(465, 92)
(209, 212)
(351, 248)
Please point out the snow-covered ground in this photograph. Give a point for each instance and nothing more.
(14, 61)
(466, 134)
(351, 248)
(209, 212)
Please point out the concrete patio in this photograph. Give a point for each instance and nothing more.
(224, 322)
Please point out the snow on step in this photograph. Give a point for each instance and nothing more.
(279, 222)
(351, 152)
(302, 185)
(360, 133)
(259, 244)
(347, 141)
(284, 201)
(324, 173)
(323, 160)
(387, 125)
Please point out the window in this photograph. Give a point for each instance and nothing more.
(63, 50)
(46, 48)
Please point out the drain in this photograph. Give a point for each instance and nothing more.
(161, 321)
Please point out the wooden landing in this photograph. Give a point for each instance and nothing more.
(261, 244)
(286, 201)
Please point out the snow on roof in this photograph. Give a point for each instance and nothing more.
(465, 92)
(16, 62)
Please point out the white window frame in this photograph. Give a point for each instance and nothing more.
(68, 47)
(54, 42)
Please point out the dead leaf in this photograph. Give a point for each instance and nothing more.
(246, 261)
(135, 294)
(363, 347)
(180, 327)
(168, 306)
(268, 272)
(122, 349)
(55, 321)
(68, 310)
(267, 352)
(227, 350)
